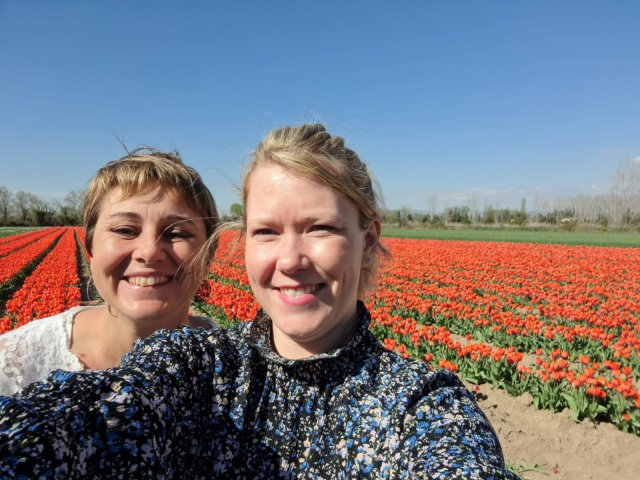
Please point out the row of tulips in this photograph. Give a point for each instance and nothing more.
(16, 242)
(559, 322)
(51, 288)
(19, 236)
(12, 264)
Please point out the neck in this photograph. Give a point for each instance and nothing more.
(100, 339)
(296, 349)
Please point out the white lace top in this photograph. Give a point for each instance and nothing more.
(29, 353)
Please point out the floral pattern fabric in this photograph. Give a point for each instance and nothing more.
(223, 404)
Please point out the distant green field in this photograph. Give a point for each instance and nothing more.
(8, 231)
(608, 239)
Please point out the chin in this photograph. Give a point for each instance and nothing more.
(293, 330)
(147, 314)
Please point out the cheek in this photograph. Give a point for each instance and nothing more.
(107, 256)
(93, 268)
(100, 266)
(254, 271)
(256, 262)
(337, 257)
(183, 253)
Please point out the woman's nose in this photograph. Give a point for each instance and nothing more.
(292, 255)
(149, 249)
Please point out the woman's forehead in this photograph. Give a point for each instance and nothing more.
(271, 176)
(149, 194)
(276, 191)
(152, 191)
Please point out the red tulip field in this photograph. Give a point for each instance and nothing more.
(558, 323)
(47, 258)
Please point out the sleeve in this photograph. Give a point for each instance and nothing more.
(127, 421)
(447, 436)
(10, 375)
(29, 353)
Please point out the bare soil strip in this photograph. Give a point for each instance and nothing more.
(562, 448)
(88, 291)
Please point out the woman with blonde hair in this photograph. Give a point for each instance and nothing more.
(147, 221)
(303, 391)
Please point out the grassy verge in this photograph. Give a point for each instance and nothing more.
(8, 231)
(608, 239)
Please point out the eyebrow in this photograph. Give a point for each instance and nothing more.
(134, 216)
(310, 217)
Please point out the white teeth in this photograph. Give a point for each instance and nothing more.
(147, 281)
(296, 292)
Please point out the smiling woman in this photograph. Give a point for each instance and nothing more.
(148, 222)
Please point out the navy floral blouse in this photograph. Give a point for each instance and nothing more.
(222, 404)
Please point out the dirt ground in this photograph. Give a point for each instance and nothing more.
(556, 446)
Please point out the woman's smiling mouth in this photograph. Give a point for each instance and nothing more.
(295, 292)
(147, 281)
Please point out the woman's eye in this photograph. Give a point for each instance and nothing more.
(178, 234)
(262, 232)
(124, 231)
(323, 228)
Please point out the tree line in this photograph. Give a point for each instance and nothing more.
(619, 208)
(28, 209)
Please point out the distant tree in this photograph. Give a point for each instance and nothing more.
(38, 217)
(519, 218)
(433, 205)
(404, 216)
(70, 212)
(236, 210)
(22, 205)
(25, 203)
(391, 216)
(473, 207)
(458, 214)
(65, 215)
(74, 200)
(43, 214)
(5, 204)
(625, 192)
(489, 216)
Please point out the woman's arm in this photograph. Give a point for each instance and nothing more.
(447, 436)
(126, 421)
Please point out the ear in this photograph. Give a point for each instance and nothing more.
(371, 240)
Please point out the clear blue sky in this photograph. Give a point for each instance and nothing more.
(507, 99)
